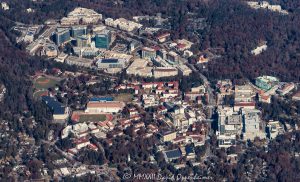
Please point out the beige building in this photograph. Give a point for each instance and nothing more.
(168, 136)
(160, 72)
(83, 62)
(104, 107)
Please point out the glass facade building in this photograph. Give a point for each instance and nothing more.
(62, 36)
(103, 39)
(78, 31)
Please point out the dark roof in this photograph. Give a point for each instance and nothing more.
(109, 61)
(55, 106)
(172, 154)
(101, 99)
(189, 149)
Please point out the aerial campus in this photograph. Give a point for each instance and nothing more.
(120, 88)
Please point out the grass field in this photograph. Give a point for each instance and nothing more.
(39, 93)
(44, 83)
(123, 97)
(92, 117)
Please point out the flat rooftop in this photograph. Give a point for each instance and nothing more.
(109, 60)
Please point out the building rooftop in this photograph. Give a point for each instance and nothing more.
(110, 104)
(176, 153)
(55, 106)
(109, 60)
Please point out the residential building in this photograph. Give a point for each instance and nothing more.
(285, 88)
(273, 129)
(184, 70)
(296, 96)
(167, 136)
(163, 37)
(183, 44)
(196, 92)
(123, 24)
(148, 52)
(171, 155)
(172, 57)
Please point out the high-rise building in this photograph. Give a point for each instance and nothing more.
(78, 31)
(82, 41)
(103, 39)
(62, 36)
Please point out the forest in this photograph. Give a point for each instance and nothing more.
(233, 26)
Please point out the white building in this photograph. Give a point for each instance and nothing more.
(252, 125)
(273, 129)
(229, 126)
(104, 107)
(160, 72)
(86, 16)
(139, 67)
(4, 6)
(123, 24)
(83, 62)
(258, 50)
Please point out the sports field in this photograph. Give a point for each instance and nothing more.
(40, 93)
(43, 82)
(124, 97)
(92, 117)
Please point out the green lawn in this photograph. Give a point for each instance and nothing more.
(92, 117)
(44, 83)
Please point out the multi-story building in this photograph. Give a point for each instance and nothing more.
(168, 136)
(244, 97)
(148, 52)
(103, 39)
(172, 57)
(266, 82)
(252, 125)
(78, 31)
(59, 111)
(196, 92)
(229, 126)
(139, 67)
(273, 129)
(82, 41)
(83, 62)
(111, 63)
(184, 70)
(123, 24)
(160, 72)
(62, 36)
(81, 15)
